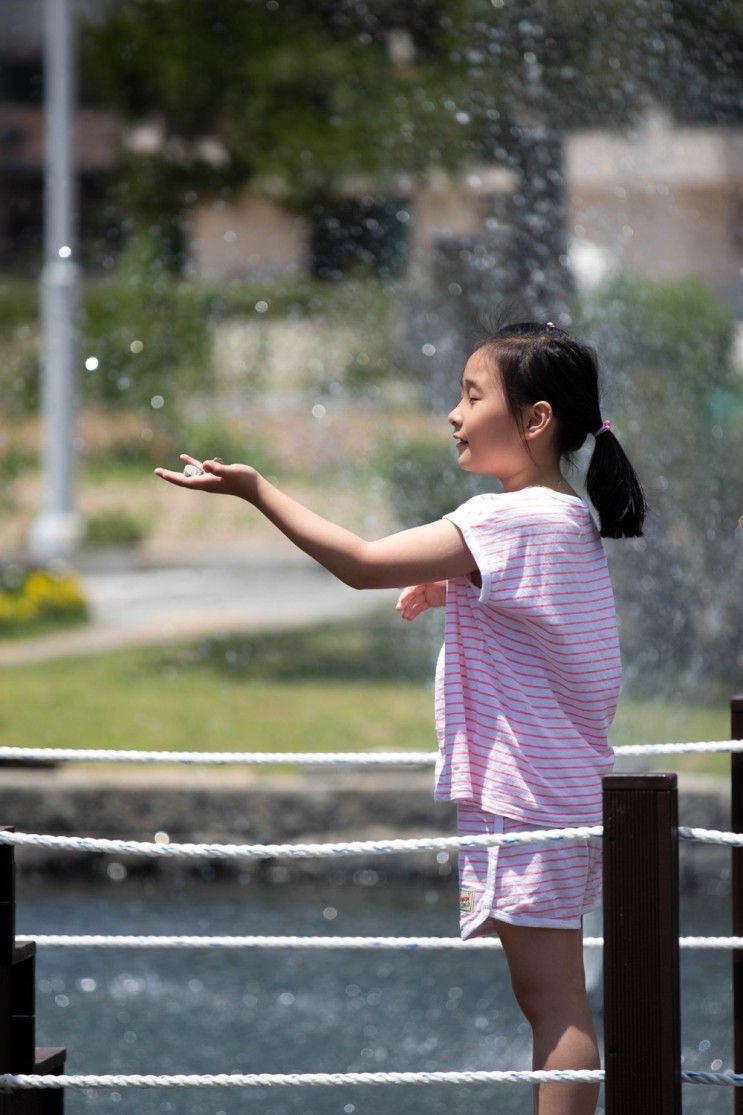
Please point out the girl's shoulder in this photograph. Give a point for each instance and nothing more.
(493, 511)
(532, 497)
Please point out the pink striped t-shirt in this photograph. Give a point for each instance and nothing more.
(528, 678)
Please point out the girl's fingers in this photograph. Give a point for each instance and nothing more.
(203, 482)
(191, 460)
(173, 477)
(413, 608)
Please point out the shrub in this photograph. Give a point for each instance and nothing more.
(33, 598)
(670, 386)
(212, 437)
(423, 480)
(150, 340)
(150, 332)
(114, 527)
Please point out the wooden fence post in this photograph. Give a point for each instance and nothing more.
(642, 1025)
(18, 1052)
(736, 819)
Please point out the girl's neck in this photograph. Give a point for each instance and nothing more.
(559, 485)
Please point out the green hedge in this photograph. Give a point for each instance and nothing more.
(150, 332)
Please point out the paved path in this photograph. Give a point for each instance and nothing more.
(144, 606)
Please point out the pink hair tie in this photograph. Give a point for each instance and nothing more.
(604, 426)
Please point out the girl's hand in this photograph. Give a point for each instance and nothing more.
(228, 480)
(417, 598)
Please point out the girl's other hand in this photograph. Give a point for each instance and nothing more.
(216, 476)
(417, 598)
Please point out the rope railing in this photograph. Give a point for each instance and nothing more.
(643, 806)
(342, 848)
(51, 940)
(641, 939)
(312, 758)
(270, 851)
(25, 1081)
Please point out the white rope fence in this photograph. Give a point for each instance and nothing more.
(163, 941)
(312, 758)
(343, 848)
(268, 851)
(20, 1082)
(298, 1079)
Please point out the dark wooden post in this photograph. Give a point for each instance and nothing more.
(18, 1052)
(736, 819)
(642, 1025)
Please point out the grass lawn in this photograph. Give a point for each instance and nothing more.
(345, 686)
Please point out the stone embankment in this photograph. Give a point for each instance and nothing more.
(242, 806)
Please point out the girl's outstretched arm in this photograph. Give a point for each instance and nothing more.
(432, 552)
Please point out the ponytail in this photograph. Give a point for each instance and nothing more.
(614, 489)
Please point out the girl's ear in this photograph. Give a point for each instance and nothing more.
(538, 414)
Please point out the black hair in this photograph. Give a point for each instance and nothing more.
(538, 361)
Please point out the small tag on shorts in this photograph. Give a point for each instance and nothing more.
(466, 899)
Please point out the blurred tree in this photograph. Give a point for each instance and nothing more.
(311, 92)
(300, 95)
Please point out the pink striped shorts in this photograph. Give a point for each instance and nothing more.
(550, 885)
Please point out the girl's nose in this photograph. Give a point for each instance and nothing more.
(454, 417)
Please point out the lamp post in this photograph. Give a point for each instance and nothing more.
(56, 530)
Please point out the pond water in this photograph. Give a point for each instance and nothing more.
(294, 1010)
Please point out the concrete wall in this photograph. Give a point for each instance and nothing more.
(318, 805)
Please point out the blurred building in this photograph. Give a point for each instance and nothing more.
(666, 201)
(662, 200)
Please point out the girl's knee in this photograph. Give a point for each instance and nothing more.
(546, 969)
(542, 1003)
(540, 999)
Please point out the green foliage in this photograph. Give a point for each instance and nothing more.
(34, 599)
(150, 333)
(112, 527)
(213, 437)
(15, 457)
(302, 91)
(19, 343)
(675, 400)
(424, 481)
(150, 338)
(19, 304)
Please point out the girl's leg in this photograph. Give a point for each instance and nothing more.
(546, 967)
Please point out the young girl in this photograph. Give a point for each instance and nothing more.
(528, 677)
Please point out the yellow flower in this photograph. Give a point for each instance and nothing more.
(26, 610)
(38, 586)
(43, 594)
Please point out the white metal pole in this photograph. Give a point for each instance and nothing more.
(56, 530)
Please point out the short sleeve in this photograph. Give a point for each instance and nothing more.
(485, 523)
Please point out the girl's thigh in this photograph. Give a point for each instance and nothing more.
(545, 964)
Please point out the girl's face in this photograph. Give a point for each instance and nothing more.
(487, 438)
